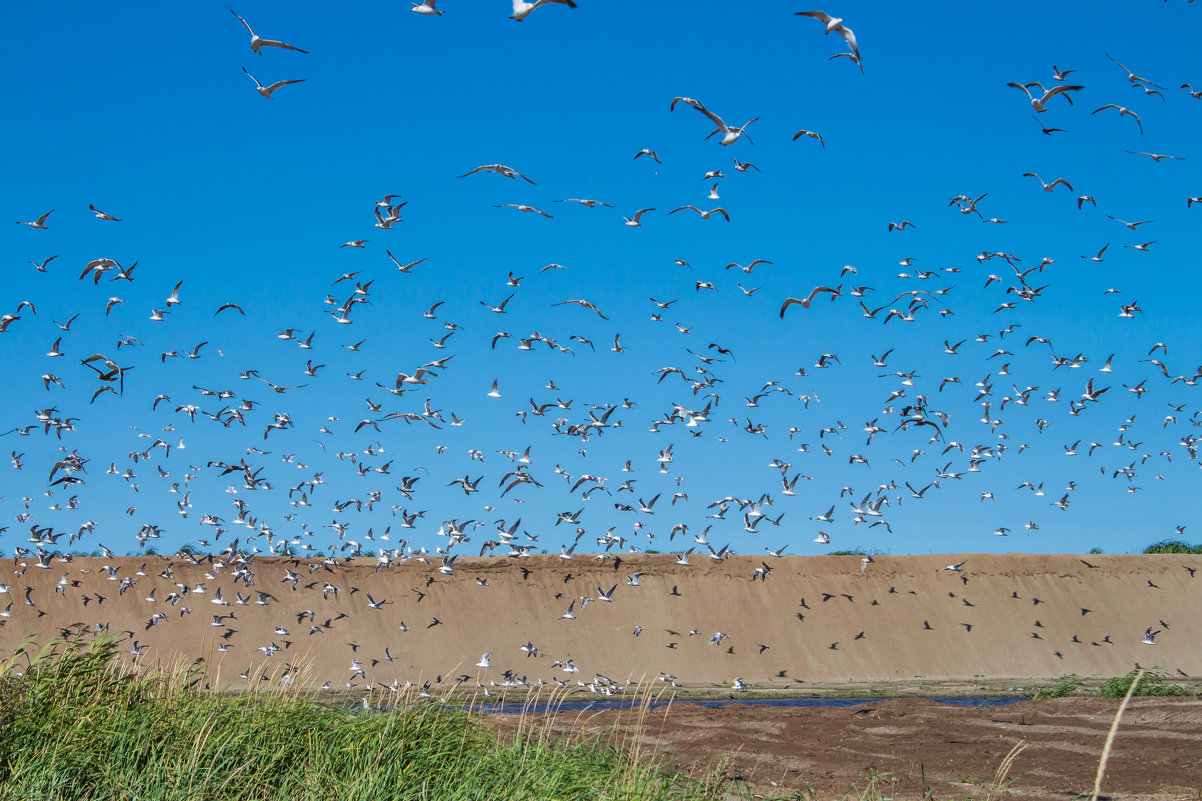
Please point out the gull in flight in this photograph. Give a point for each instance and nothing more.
(1155, 156)
(1040, 103)
(426, 7)
(1046, 186)
(484, 663)
(648, 152)
(100, 215)
(836, 24)
(1122, 110)
(257, 41)
(522, 9)
(811, 134)
(267, 90)
(956, 568)
(522, 207)
(40, 222)
(1150, 636)
(634, 222)
(705, 215)
(499, 169)
(730, 135)
(806, 301)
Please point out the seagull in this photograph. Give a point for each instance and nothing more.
(499, 169)
(811, 134)
(806, 301)
(956, 568)
(585, 304)
(522, 207)
(705, 215)
(522, 9)
(257, 41)
(836, 24)
(484, 663)
(730, 135)
(1122, 110)
(267, 90)
(1040, 103)
(634, 222)
(40, 222)
(426, 7)
(648, 152)
(1155, 156)
(1046, 186)
(1150, 636)
(100, 215)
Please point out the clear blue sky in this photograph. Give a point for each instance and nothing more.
(144, 111)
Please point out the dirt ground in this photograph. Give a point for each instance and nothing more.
(916, 744)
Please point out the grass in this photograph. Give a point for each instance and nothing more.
(76, 725)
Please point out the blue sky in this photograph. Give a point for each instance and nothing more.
(144, 111)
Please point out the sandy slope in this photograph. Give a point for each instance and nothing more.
(1006, 616)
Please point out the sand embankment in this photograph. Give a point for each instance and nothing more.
(813, 620)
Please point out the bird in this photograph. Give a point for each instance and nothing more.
(1039, 104)
(1122, 110)
(730, 134)
(1150, 636)
(634, 222)
(427, 8)
(522, 9)
(806, 301)
(266, 91)
(39, 223)
(836, 24)
(648, 152)
(705, 215)
(499, 169)
(100, 215)
(811, 134)
(1046, 186)
(257, 42)
(958, 567)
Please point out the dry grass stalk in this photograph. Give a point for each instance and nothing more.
(1114, 726)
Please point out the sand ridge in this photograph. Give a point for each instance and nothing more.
(809, 621)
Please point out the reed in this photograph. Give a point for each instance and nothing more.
(78, 725)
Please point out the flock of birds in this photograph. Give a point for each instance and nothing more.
(86, 382)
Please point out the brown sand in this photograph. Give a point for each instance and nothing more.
(1007, 618)
(915, 744)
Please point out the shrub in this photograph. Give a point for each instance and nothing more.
(1154, 683)
(1172, 546)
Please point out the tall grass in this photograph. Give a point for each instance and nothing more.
(76, 725)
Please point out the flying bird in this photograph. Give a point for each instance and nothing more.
(836, 24)
(257, 41)
(266, 91)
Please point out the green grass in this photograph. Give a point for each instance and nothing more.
(77, 726)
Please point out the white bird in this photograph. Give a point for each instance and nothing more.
(267, 90)
(257, 41)
(730, 134)
(100, 215)
(1040, 103)
(40, 222)
(836, 24)
(1150, 636)
(522, 9)
(484, 663)
(426, 7)
(634, 222)
(956, 568)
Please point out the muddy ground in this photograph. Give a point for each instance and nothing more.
(917, 746)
